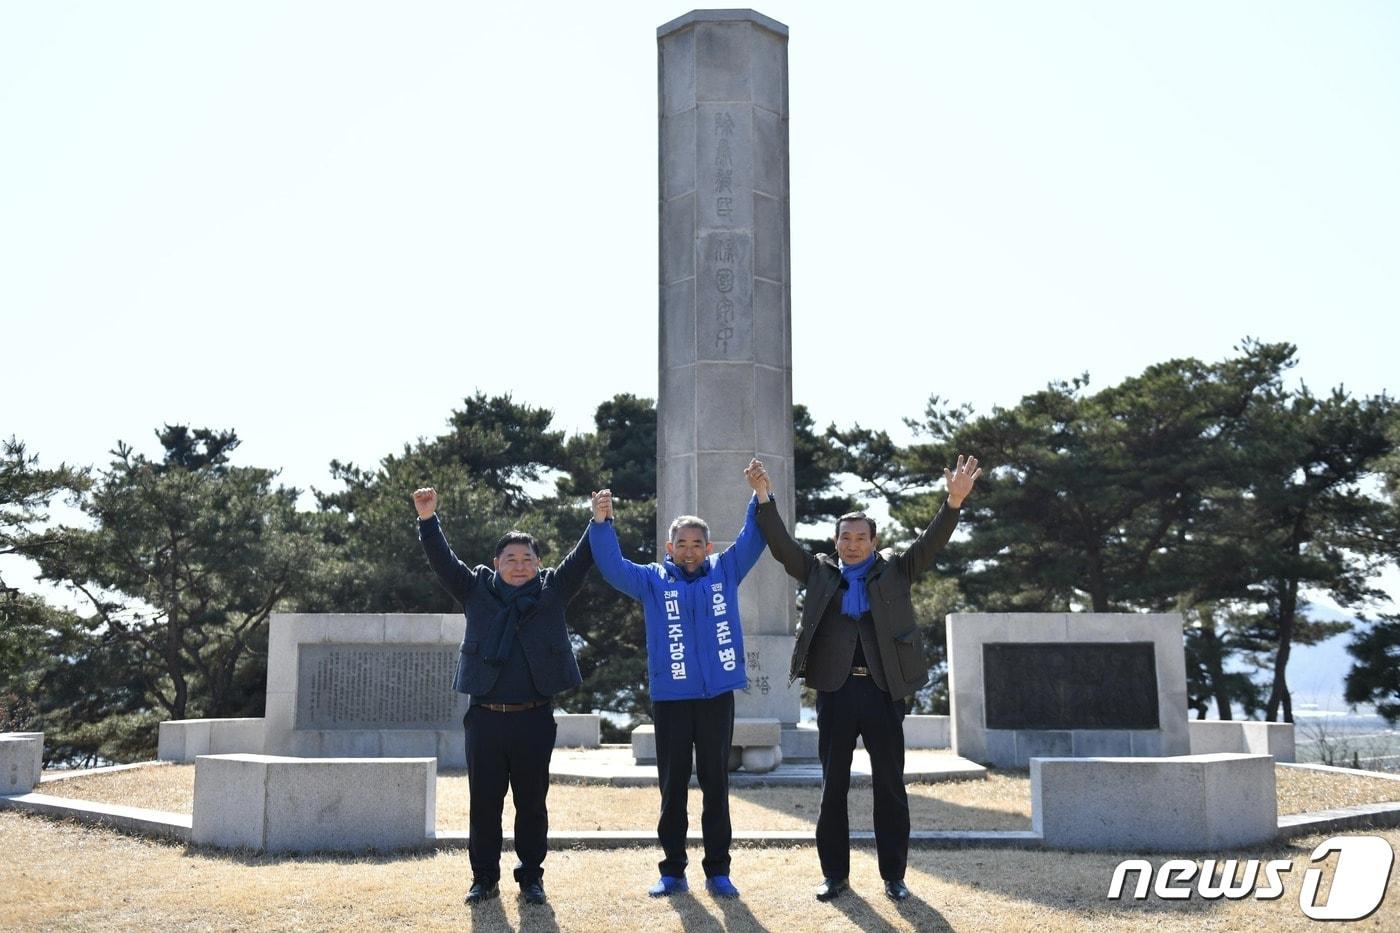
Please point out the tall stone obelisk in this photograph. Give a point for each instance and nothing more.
(725, 391)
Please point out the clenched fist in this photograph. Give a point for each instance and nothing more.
(425, 501)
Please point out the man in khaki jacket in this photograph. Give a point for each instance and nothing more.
(859, 647)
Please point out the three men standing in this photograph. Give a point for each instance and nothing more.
(514, 658)
(859, 647)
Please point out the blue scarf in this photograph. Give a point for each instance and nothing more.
(854, 602)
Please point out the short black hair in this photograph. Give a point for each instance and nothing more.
(517, 537)
(856, 517)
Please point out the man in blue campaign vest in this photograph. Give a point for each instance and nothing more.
(695, 662)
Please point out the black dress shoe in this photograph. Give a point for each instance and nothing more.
(480, 892)
(830, 887)
(896, 890)
(532, 893)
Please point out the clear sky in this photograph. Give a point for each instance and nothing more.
(324, 224)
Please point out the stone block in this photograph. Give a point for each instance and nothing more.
(350, 743)
(413, 629)
(1187, 803)
(21, 762)
(408, 743)
(766, 600)
(770, 335)
(356, 628)
(1146, 743)
(722, 53)
(926, 732)
(999, 749)
(761, 759)
(772, 407)
(769, 261)
(768, 695)
(724, 145)
(722, 494)
(678, 239)
(644, 745)
(754, 731)
(452, 748)
(676, 493)
(279, 720)
(800, 743)
(233, 736)
(1042, 743)
(677, 391)
(724, 322)
(768, 63)
(273, 804)
(677, 67)
(970, 633)
(770, 164)
(1242, 737)
(454, 628)
(678, 323)
(577, 730)
(182, 739)
(678, 154)
(1102, 743)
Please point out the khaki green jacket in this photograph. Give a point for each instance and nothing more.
(887, 586)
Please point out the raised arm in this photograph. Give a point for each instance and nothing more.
(920, 554)
(575, 566)
(456, 577)
(620, 572)
(793, 556)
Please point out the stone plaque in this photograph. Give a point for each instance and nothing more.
(376, 686)
(1084, 685)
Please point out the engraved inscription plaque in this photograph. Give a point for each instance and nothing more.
(1084, 685)
(376, 687)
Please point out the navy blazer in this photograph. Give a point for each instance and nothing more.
(543, 634)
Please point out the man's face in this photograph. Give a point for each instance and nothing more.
(688, 548)
(517, 564)
(854, 543)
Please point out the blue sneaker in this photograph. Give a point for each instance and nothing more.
(721, 886)
(667, 886)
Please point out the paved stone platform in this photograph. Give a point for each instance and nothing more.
(613, 766)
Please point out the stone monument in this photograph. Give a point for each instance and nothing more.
(1066, 685)
(725, 386)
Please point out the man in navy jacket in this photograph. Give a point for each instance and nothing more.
(514, 657)
(695, 662)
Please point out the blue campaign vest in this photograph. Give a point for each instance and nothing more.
(695, 640)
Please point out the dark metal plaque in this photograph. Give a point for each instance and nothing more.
(1082, 685)
(376, 687)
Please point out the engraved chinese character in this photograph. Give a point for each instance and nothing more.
(724, 124)
(724, 280)
(724, 179)
(724, 252)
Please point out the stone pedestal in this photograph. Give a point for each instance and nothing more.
(275, 804)
(21, 761)
(725, 387)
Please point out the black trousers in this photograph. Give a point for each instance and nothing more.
(859, 708)
(708, 727)
(509, 749)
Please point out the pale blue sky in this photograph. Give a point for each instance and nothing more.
(323, 224)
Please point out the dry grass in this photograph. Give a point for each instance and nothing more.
(62, 876)
(1002, 802)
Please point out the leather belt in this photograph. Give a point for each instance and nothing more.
(860, 672)
(512, 707)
